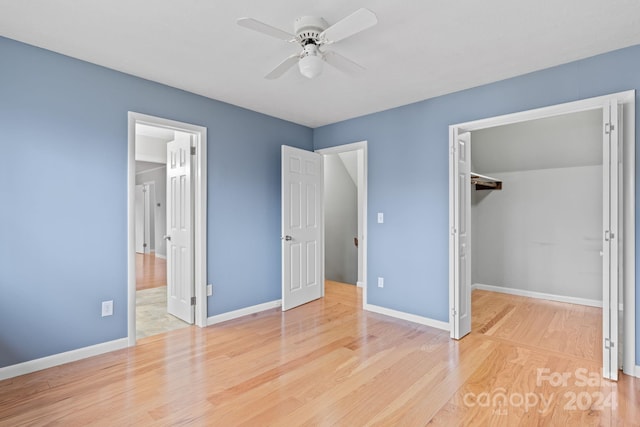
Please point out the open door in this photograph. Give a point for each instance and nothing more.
(139, 215)
(612, 169)
(180, 266)
(460, 316)
(302, 193)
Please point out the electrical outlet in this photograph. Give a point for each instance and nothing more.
(107, 308)
(209, 289)
(381, 282)
(380, 217)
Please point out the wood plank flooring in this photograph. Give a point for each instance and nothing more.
(151, 271)
(329, 363)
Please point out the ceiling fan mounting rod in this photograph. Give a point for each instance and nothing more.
(308, 29)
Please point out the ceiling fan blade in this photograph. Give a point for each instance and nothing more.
(283, 67)
(358, 21)
(267, 29)
(343, 64)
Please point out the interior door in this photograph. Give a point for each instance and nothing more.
(612, 169)
(180, 270)
(460, 231)
(302, 227)
(139, 217)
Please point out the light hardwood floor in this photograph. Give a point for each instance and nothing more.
(151, 271)
(330, 363)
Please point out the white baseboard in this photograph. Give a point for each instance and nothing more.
(438, 324)
(538, 295)
(161, 256)
(360, 284)
(61, 358)
(218, 318)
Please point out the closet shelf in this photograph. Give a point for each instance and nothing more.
(485, 182)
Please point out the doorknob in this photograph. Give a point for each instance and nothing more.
(166, 237)
(287, 238)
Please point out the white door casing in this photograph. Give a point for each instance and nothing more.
(460, 314)
(302, 227)
(610, 301)
(199, 209)
(180, 280)
(619, 218)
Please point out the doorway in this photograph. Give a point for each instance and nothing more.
(342, 231)
(536, 220)
(154, 154)
(152, 315)
(354, 157)
(618, 219)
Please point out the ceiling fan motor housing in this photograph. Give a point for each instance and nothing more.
(308, 29)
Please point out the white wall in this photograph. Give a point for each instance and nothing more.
(341, 222)
(159, 177)
(541, 232)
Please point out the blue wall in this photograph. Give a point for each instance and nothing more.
(63, 197)
(408, 171)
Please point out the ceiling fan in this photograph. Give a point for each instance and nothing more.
(313, 34)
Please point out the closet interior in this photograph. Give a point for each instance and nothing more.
(536, 206)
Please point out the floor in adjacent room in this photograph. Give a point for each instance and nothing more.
(151, 297)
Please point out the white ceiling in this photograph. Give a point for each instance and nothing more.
(418, 50)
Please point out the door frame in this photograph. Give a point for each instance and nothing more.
(199, 215)
(627, 260)
(360, 147)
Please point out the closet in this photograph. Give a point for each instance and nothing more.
(536, 208)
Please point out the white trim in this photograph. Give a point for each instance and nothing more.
(160, 256)
(635, 372)
(61, 358)
(438, 324)
(544, 112)
(219, 318)
(627, 98)
(538, 295)
(362, 189)
(628, 295)
(200, 215)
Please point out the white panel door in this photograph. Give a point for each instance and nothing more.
(461, 232)
(139, 214)
(612, 169)
(302, 252)
(180, 282)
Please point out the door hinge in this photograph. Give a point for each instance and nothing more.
(453, 311)
(608, 344)
(453, 230)
(608, 128)
(193, 300)
(193, 151)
